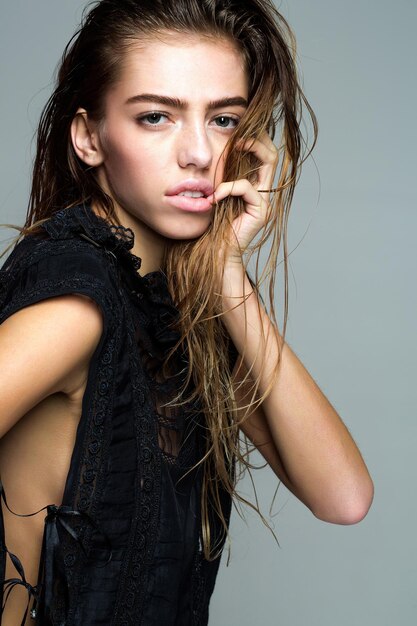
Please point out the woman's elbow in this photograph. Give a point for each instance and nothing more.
(348, 509)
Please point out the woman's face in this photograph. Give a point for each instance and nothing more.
(166, 123)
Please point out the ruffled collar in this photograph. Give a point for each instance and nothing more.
(149, 292)
(82, 221)
(118, 241)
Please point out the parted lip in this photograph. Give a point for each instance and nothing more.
(191, 184)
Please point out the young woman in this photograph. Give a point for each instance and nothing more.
(134, 349)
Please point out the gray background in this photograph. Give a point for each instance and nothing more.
(352, 309)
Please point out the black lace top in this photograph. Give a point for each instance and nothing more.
(124, 546)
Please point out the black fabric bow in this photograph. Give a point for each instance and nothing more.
(51, 568)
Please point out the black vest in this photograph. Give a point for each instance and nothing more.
(124, 546)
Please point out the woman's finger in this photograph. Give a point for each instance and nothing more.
(263, 147)
(243, 188)
(267, 153)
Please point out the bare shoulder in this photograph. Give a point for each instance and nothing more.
(45, 348)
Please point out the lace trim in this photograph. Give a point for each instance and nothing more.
(89, 485)
(134, 574)
(45, 289)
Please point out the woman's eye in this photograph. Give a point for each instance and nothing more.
(152, 119)
(225, 121)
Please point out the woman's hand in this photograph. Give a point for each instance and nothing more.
(256, 196)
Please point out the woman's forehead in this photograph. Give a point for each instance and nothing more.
(192, 66)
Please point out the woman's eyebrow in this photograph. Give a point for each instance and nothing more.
(176, 103)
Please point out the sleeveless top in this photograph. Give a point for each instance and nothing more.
(124, 547)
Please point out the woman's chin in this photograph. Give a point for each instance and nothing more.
(187, 232)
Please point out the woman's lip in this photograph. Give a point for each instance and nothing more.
(192, 184)
(185, 203)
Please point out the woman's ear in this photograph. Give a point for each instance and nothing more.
(85, 139)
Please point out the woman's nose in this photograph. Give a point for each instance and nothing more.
(194, 148)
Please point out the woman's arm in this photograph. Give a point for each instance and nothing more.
(296, 428)
(43, 350)
(309, 447)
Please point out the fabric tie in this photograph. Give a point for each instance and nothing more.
(11, 583)
(51, 567)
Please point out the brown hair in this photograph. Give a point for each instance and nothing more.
(90, 65)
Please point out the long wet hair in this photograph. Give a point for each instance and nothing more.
(89, 67)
